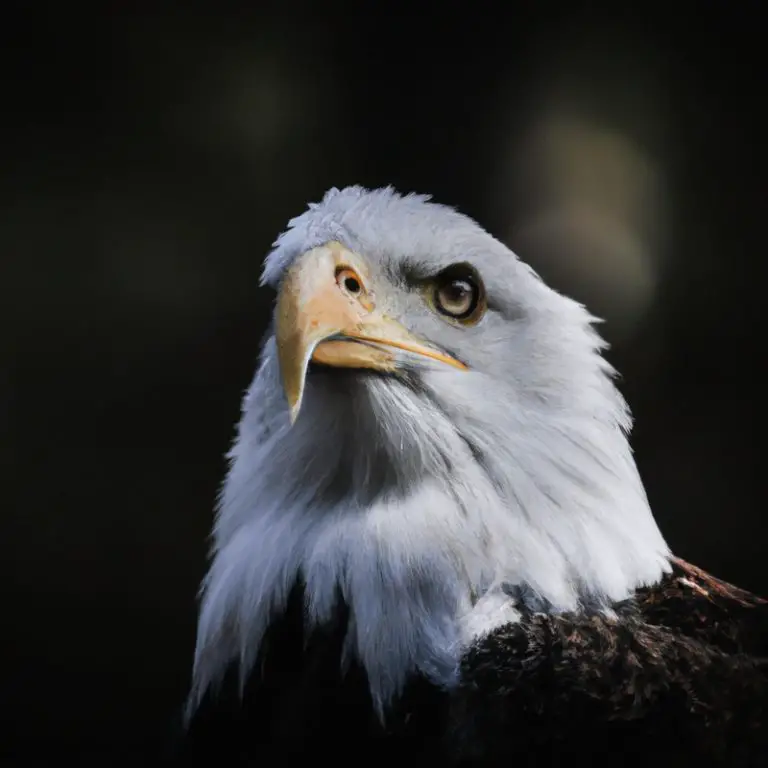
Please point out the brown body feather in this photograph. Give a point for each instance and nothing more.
(679, 676)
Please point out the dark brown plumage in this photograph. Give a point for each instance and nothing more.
(678, 677)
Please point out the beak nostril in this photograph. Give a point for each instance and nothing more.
(348, 280)
(351, 284)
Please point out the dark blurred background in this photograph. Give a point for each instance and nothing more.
(150, 159)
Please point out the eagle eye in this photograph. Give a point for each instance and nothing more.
(457, 293)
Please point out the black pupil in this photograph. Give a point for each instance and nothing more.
(457, 291)
(351, 284)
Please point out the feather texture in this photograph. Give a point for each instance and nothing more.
(441, 504)
(677, 676)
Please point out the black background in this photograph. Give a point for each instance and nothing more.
(150, 159)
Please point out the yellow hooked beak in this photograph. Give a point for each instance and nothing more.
(327, 313)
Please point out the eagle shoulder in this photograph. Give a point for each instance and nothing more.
(679, 672)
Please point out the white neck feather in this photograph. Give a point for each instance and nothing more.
(424, 517)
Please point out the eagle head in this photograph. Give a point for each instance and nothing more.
(432, 437)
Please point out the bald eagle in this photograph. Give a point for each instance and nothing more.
(433, 541)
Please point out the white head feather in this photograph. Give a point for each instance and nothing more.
(431, 509)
